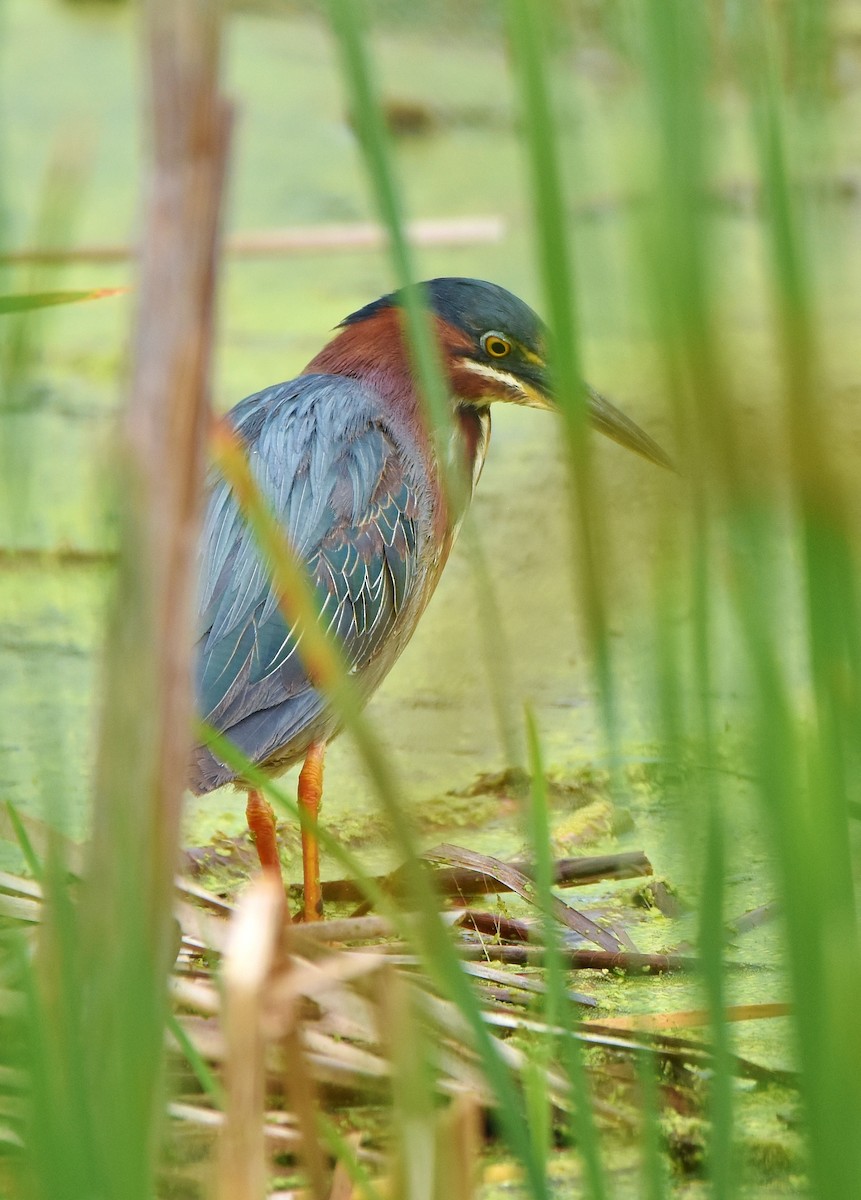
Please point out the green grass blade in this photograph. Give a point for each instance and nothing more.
(357, 75)
(27, 848)
(559, 1009)
(527, 35)
(204, 1076)
(34, 300)
(344, 17)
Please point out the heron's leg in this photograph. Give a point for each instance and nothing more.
(261, 822)
(310, 795)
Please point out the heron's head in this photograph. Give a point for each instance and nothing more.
(495, 349)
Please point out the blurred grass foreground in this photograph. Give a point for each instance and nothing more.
(643, 684)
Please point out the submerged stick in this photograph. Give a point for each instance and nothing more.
(493, 925)
(587, 960)
(463, 881)
(516, 881)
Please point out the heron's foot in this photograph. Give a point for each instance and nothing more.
(310, 797)
(261, 823)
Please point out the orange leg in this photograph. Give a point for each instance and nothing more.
(261, 822)
(310, 795)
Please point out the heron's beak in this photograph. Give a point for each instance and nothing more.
(604, 416)
(532, 387)
(613, 423)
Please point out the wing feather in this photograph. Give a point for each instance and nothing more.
(350, 500)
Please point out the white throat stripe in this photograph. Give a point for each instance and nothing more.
(494, 373)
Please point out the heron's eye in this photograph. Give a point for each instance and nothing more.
(495, 345)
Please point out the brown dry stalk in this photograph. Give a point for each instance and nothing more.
(342, 1184)
(146, 729)
(459, 1139)
(253, 947)
(168, 414)
(125, 926)
(300, 1083)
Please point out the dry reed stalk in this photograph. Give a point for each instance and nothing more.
(168, 415)
(146, 730)
(459, 1141)
(254, 947)
(301, 1088)
(123, 930)
(342, 1184)
(102, 964)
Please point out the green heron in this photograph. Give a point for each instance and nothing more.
(344, 457)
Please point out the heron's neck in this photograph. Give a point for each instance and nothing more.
(375, 352)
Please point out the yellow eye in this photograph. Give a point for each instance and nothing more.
(495, 345)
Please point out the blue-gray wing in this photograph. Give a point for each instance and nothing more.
(349, 500)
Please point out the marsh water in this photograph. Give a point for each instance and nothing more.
(296, 162)
(69, 93)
